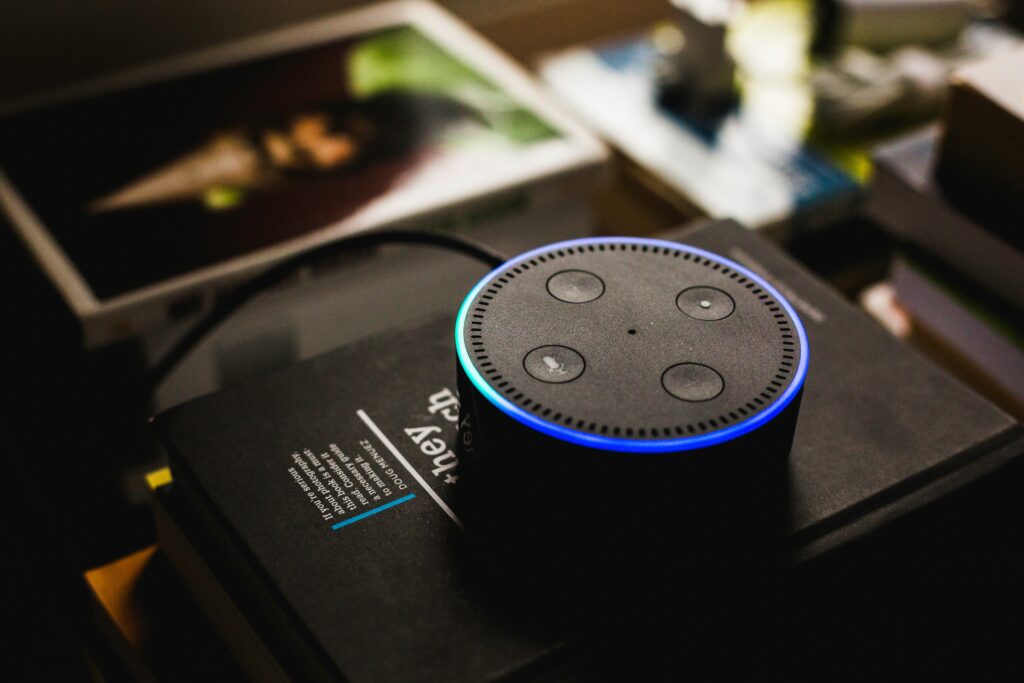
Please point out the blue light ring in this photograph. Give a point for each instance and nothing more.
(607, 443)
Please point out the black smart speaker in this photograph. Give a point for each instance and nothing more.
(606, 382)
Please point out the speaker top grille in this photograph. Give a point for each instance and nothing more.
(632, 344)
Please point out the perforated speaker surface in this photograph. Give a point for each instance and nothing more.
(631, 344)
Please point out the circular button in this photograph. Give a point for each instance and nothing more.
(705, 303)
(575, 286)
(692, 382)
(554, 364)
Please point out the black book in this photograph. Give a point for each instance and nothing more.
(326, 489)
(908, 202)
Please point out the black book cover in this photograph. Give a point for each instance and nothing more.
(333, 480)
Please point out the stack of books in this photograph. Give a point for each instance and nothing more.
(313, 512)
(952, 200)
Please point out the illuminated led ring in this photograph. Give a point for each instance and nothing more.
(607, 443)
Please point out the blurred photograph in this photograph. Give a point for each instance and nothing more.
(171, 177)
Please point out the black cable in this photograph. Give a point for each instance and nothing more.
(234, 299)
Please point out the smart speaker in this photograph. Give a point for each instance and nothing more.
(605, 378)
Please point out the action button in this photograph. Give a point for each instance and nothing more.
(692, 382)
(575, 286)
(705, 303)
(554, 364)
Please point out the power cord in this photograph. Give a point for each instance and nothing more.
(228, 303)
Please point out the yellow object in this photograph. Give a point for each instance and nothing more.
(158, 478)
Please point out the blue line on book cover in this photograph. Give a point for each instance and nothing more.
(374, 511)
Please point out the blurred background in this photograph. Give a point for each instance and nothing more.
(877, 142)
(53, 42)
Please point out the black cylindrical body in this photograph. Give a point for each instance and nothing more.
(628, 389)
